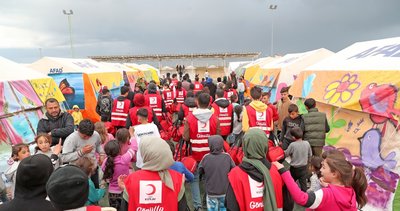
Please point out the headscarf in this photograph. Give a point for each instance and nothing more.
(138, 100)
(255, 147)
(157, 156)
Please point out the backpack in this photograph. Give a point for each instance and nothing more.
(105, 105)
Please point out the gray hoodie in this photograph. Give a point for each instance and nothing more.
(203, 115)
(215, 166)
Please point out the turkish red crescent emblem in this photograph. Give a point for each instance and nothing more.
(260, 186)
(153, 189)
(261, 114)
(205, 125)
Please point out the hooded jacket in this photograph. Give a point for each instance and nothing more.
(215, 166)
(60, 127)
(259, 107)
(224, 103)
(189, 102)
(316, 126)
(30, 189)
(203, 115)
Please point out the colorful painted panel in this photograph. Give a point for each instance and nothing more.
(71, 86)
(113, 81)
(47, 88)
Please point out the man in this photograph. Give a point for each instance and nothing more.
(241, 90)
(84, 142)
(316, 126)
(185, 82)
(257, 114)
(55, 122)
(200, 125)
(283, 106)
(155, 101)
(104, 106)
(223, 109)
(120, 109)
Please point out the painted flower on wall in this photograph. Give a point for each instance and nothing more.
(342, 89)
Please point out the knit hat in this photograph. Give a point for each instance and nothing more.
(68, 188)
(139, 100)
(75, 106)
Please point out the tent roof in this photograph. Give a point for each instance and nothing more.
(11, 71)
(234, 65)
(381, 54)
(68, 65)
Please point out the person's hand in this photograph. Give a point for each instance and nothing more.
(57, 148)
(121, 180)
(87, 149)
(322, 182)
(278, 165)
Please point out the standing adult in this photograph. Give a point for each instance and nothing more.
(241, 90)
(223, 109)
(120, 109)
(186, 83)
(104, 106)
(197, 85)
(212, 87)
(283, 106)
(316, 126)
(55, 122)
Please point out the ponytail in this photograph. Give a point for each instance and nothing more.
(109, 170)
(112, 150)
(359, 185)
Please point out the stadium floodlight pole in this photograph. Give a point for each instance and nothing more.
(272, 7)
(69, 14)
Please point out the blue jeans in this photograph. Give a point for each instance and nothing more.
(195, 188)
(216, 203)
(241, 98)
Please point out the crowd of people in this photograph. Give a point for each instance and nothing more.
(158, 147)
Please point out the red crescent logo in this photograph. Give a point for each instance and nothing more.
(260, 186)
(153, 189)
(262, 114)
(205, 125)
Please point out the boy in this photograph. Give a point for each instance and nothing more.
(300, 153)
(120, 109)
(293, 120)
(144, 129)
(215, 166)
(104, 106)
(265, 99)
(283, 106)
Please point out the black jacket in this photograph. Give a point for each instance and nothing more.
(189, 102)
(60, 127)
(287, 124)
(105, 116)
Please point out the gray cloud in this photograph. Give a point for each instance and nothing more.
(105, 27)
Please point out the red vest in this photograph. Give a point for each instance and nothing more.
(119, 112)
(168, 98)
(180, 95)
(148, 193)
(225, 118)
(229, 93)
(174, 82)
(133, 112)
(146, 92)
(187, 110)
(197, 87)
(199, 133)
(261, 120)
(154, 101)
(249, 193)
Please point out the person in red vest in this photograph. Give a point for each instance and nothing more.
(224, 112)
(187, 106)
(147, 90)
(120, 109)
(257, 114)
(168, 96)
(197, 85)
(229, 90)
(155, 101)
(200, 125)
(155, 186)
(255, 184)
(265, 99)
(174, 81)
(180, 93)
(132, 118)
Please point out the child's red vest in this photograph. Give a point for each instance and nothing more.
(199, 133)
(229, 93)
(154, 101)
(133, 112)
(147, 192)
(262, 120)
(225, 118)
(119, 112)
(168, 98)
(197, 87)
(180, 95)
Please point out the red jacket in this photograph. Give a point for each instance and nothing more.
(249, 193)
(168, 97)
(154, 101)
(225, 115)
(199, 133)
(133, 117)
(147, 192)
(119, 112)
(262, 120)
(275, 115)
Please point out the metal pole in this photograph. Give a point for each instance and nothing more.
(69, 14)
(272, 7)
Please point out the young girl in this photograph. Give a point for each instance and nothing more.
(345, 189)
(315, 168)
(237, 121)
(43, 142)
(89, 167)
(126, 139)
(100, 127)
(18, 153)
(76, 115)
(113, 166)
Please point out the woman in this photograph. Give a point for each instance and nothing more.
(255, 184)
(154, 186)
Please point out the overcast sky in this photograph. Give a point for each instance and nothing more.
(105, 27)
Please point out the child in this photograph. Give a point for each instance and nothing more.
(265, 99)
(43, 142)
(18, 153)
(293, 120)
(215, 166)
(237, 121)
(77, 115)
(345, 189)
(89, 167)
(145, 129)
(126, 140)
(113, 166)
(315, 168)
(100, 127)
(300, 152)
